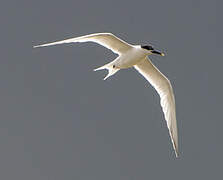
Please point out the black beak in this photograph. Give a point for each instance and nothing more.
(157, 52)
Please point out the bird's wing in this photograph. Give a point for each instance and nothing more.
(107, 40)
(164, 89)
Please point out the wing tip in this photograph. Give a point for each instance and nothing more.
(175, 147)
(174, 143)
(42, 45)
(36, 46)
(177, 154)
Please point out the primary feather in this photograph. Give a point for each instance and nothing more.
(164, 89)
(107, 40)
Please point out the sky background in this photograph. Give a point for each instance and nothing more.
(60, 121)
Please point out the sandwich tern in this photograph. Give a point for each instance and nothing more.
(135, 56)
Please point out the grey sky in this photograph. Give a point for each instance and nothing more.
(60, 120)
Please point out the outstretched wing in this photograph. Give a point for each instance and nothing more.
(164, 89)
(107, 40)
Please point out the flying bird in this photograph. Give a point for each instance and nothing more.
(135, 56)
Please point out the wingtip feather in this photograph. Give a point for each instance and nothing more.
(36, 46)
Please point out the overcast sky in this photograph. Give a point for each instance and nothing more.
(61, 121)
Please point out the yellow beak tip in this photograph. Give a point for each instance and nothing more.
(162, 54)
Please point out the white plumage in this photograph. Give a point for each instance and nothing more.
(136, 56)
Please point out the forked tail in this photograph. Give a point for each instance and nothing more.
(111, 69)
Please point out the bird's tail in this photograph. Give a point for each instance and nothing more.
(111, 69)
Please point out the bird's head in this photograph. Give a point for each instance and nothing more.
(151, 50)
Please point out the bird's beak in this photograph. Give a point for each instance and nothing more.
(157, 52)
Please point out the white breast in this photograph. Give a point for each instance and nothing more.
(130, 58)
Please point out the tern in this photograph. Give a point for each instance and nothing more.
(135, 56)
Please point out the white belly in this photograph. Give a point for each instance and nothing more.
(130, 58)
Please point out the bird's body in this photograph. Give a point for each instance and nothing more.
(136, 56)
(130, 58)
